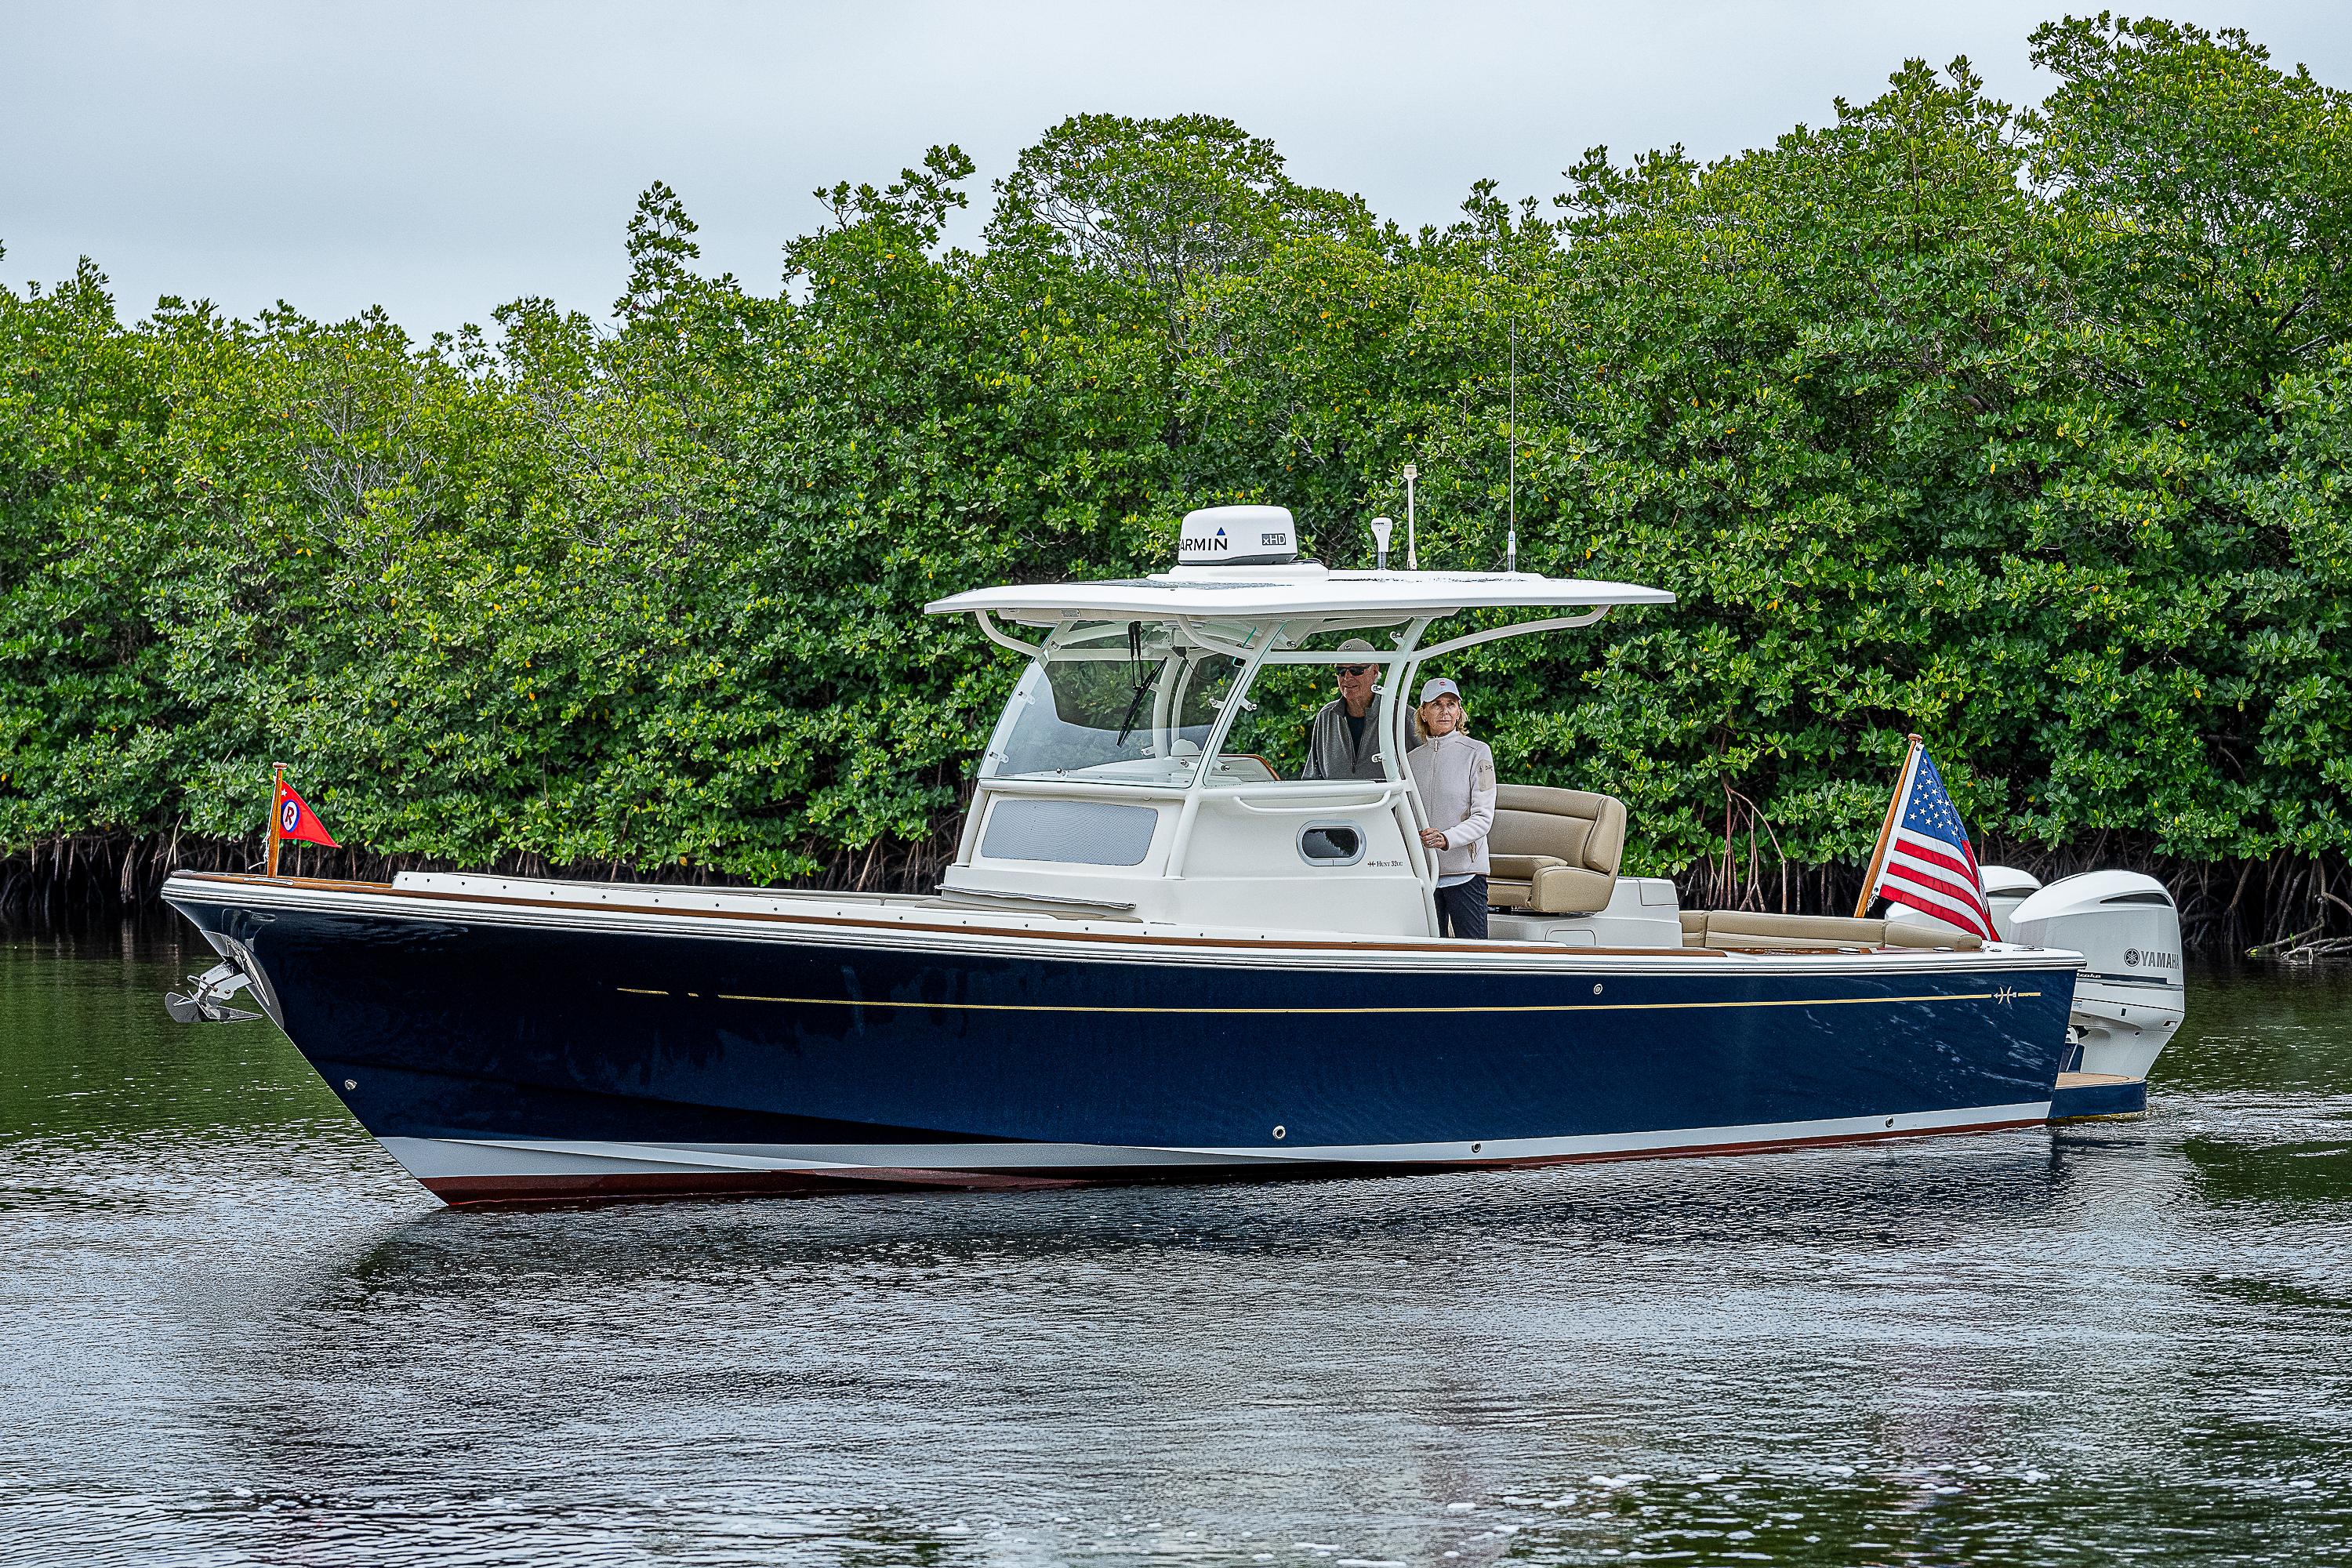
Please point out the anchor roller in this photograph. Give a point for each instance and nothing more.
(208, 998)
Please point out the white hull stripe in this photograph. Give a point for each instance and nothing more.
(434, 1159)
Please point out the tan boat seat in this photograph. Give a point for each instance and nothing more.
(1901, 933)
(1554, 851)
(1751, 929)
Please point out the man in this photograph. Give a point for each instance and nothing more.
(1346, 740)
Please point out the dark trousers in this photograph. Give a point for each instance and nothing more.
(1462, 909)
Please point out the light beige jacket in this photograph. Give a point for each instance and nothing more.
(1455, 775)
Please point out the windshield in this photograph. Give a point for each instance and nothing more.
(1277, 733)
(1277, 723)
(1123, 702)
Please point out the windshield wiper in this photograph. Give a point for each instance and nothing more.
(1135, 707)
(1151, 674)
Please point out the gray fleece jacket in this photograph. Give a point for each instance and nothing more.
(1331, 754)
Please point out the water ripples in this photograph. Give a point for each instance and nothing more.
(240, 1333)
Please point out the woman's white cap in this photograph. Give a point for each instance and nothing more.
(1431, 691)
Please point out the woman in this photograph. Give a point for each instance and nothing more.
(1455, 775)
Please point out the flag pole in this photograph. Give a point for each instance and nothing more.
(276, 791)
(1885, 831)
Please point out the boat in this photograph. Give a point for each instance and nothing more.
(1159, 952)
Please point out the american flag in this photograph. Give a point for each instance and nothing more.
(1929, 865)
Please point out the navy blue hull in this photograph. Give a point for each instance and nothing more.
(2097, 1097)
(433, 1027)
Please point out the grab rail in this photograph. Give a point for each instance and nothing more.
(1070, 786)
(1014, 895)
(1379, 799)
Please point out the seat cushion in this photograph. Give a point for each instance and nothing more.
(1753, 942)
(1570, 890)
(1819, 931)
(1571, 824)
(1756, 929)
(1903, 933)
(1563, 844)
(1530, 834)
(1505, 894)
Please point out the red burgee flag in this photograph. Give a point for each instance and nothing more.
(297, 820)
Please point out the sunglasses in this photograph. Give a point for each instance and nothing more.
(1354, 668)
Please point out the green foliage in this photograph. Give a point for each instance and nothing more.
(1159, 205)
(2028, 431)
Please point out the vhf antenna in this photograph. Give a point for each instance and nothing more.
(1411, 550)
(1511, 540)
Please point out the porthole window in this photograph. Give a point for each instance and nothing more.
(1331, 843)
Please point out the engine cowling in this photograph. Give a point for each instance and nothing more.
(2130, 997)
(2005, 888)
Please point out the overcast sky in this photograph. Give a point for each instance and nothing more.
(440, 159)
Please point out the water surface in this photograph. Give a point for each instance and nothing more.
(236, 1332)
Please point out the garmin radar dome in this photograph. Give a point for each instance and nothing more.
(1237, 536)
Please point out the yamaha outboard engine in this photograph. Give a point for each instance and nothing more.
(2129, 998)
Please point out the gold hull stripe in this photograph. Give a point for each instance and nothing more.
(1285, 1012)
